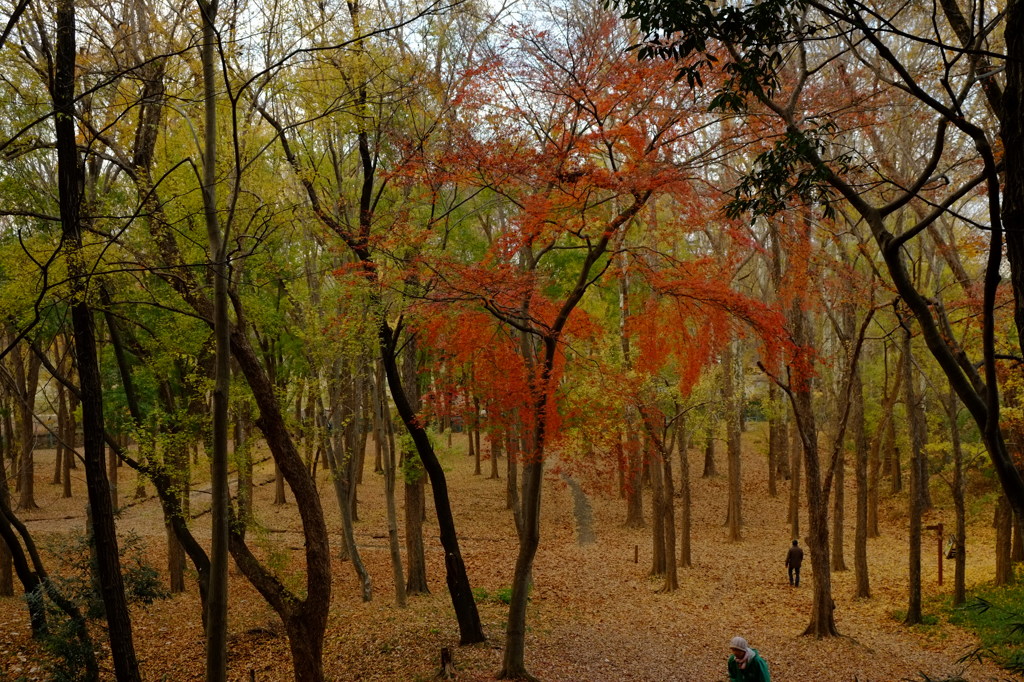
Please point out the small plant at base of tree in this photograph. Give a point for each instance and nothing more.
(71, 655)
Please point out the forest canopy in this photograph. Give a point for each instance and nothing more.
(594, 234)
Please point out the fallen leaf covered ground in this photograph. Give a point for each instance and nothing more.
(595, 613)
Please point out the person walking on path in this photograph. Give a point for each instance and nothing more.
(794, 557)
(745, 664)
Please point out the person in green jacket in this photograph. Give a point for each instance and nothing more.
(745, 664)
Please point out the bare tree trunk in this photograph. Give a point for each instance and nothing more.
(511, 472)
(914, 616)
(243, 464)
(1004, 532)
(342, 464)
(796, 455)
(112, 475)
(658, 530)
(960, 534)
(474, 435)
(669, 524)
(380, 418)
(734, 508)
(71, 438)
(70, 182)
(860, 449)
(62, 427)
(1016, 547)
(414, 481)
(6, 558)
(494, 438)
(839, 514)
(279, 497)
(685, 551)
(26, 374)
(635, 470)
(773, 445)
(709, 450)
(874, 456)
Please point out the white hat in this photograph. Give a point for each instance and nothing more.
(738, 643)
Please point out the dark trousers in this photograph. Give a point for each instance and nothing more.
(794, 575)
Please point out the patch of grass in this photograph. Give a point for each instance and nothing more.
(927, 619)
(501, 595)
(996, 616)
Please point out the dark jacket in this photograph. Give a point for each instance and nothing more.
(755, 671)
(794, 557)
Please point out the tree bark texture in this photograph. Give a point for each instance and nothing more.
(916, 509)
(734, 507)
(860, 454)
(70, 184)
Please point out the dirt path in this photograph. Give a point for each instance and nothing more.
(595, 615)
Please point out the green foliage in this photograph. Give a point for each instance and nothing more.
(502, 595)
(72, 655)
(412, 467)
(789, 170)
(141, 581)
(997, 617)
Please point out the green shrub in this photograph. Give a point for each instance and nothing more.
(996, 616)
(73, 654)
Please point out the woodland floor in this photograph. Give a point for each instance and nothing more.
(594, 615)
